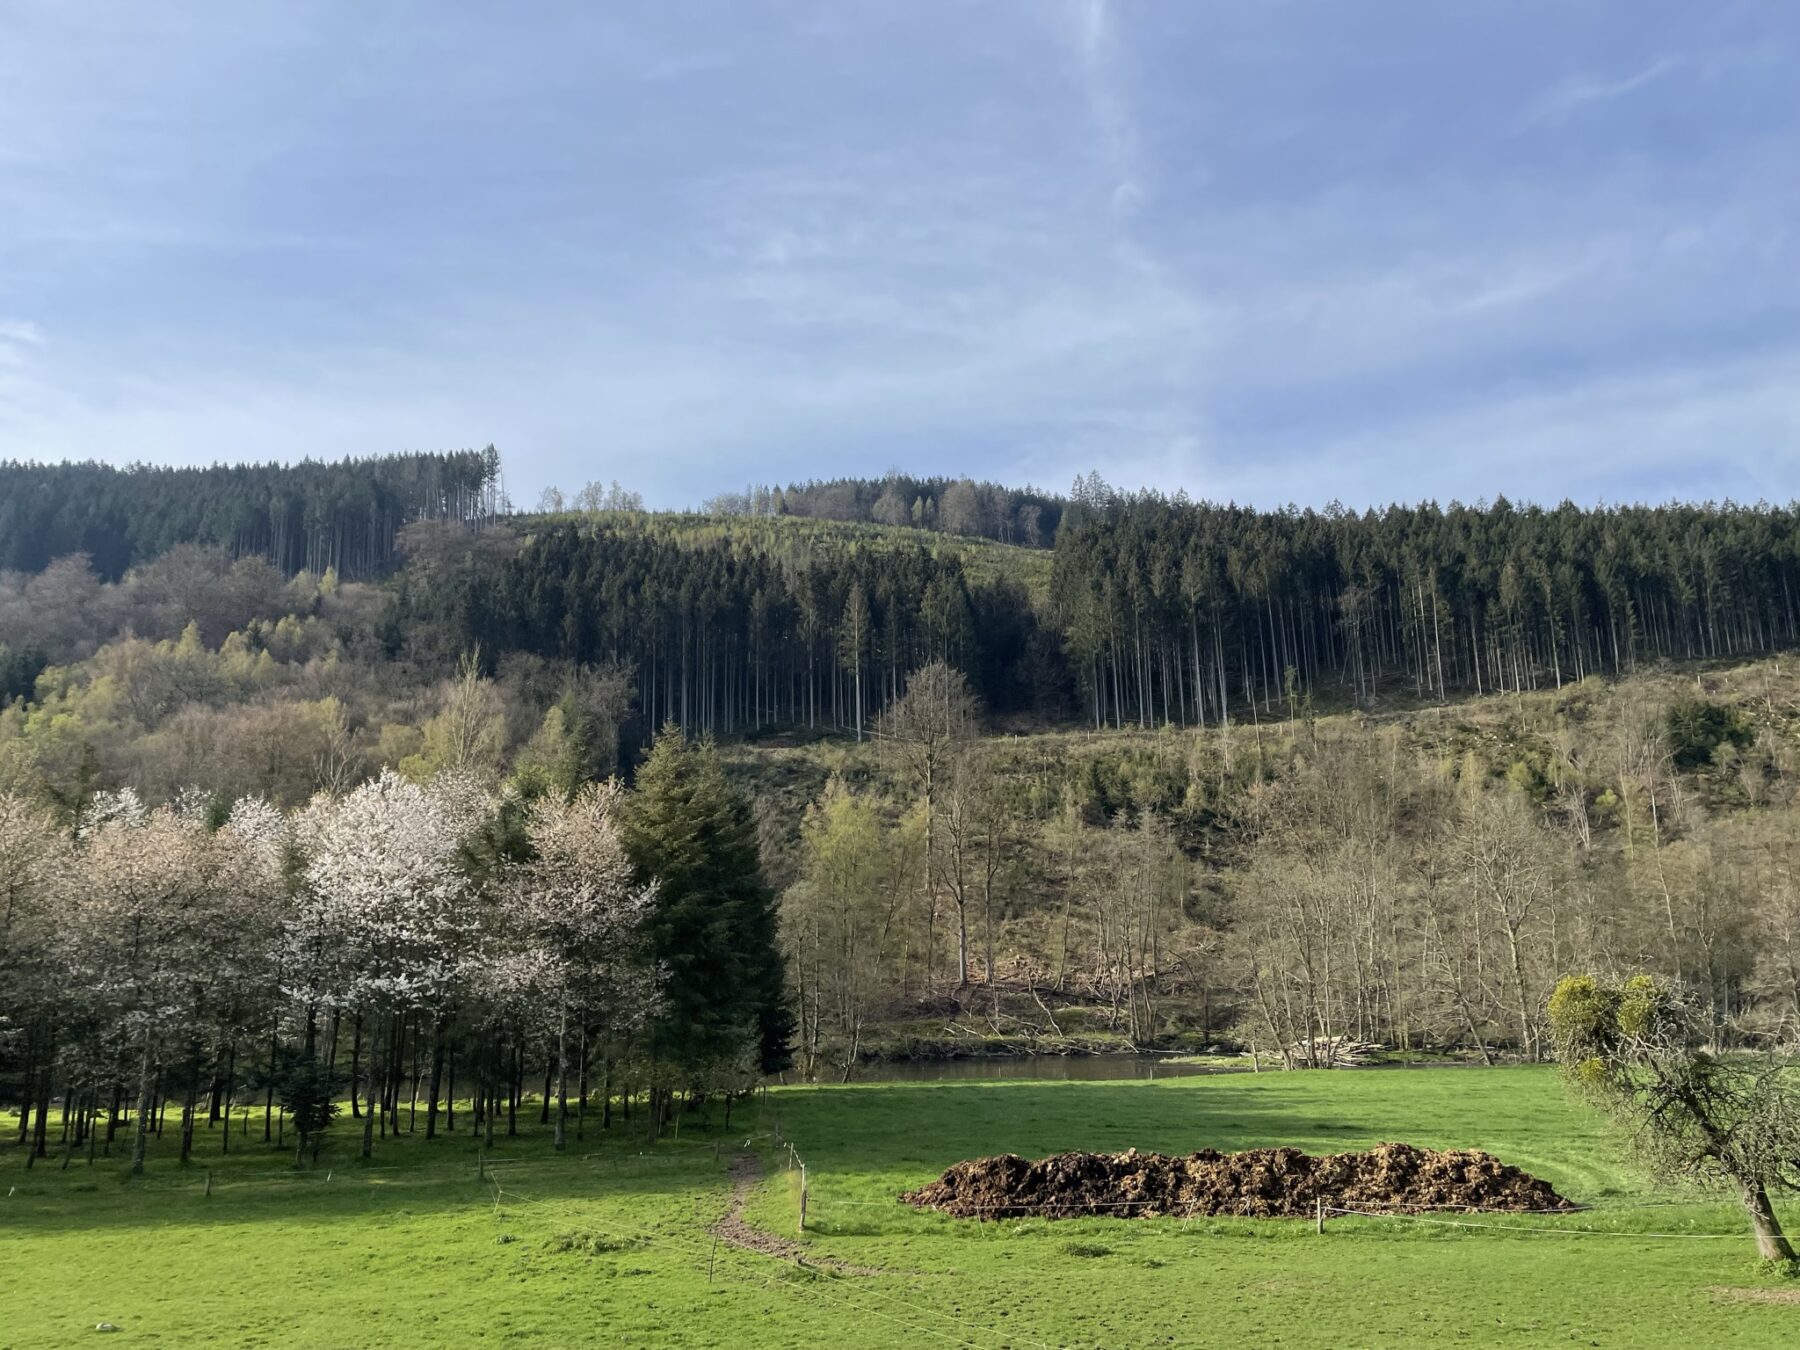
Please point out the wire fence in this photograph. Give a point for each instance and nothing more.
(1535, 1230)
(503, 1177)
(814, 1284)
(810, 1283)
(208, 1179)
(512, 1183)
(1418, 1213)
(1465, 1217)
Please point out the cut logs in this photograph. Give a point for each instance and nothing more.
(1333, 1052)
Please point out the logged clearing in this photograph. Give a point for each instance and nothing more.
(1261, 1183)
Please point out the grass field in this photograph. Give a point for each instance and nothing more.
(608, 1244)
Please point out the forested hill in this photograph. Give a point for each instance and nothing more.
(1146, 611)
(1154, 612)
(1286, 865)
(309, 516)
(742, 626)
(1174, 611)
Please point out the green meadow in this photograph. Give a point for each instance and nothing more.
(608, 1244)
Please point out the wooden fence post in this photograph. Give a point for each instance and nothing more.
(802, 1197)
(1320, 1213)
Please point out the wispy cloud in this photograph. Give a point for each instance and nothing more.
(1572, 94)
(1092, 38)
(16, 336)
(1266, 251)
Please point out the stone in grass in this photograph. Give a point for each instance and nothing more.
(104, 1326)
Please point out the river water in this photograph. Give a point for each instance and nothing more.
(1031, 1068)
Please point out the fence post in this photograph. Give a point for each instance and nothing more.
(1320, 1213)
(802, 1197)
(208, 1190)
(480, 1166)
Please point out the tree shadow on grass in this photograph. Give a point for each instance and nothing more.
(257, 1183)
(863, 1145)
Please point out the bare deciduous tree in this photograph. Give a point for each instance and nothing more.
(1638, 1048)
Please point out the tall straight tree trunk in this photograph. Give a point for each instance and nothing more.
(581, 1089)
(40, 1135)
(562, 1079)
(188, 1108)
(515, 1088)
(269, 1093)
(140, 1140)
(29, 1101)
(437, 1077)
(230, 1096)
(962, 942)
(356, 1041)
(490, 1094)
(374, 1104)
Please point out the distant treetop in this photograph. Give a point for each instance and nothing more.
(311, 516)
(1022, 516)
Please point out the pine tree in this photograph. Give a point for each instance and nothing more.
(713, 926)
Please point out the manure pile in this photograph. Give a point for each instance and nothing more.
(1258, 1183)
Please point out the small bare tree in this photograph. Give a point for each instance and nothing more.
(1638, 1048)
(928, 728)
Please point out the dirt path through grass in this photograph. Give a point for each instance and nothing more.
(734, 1231)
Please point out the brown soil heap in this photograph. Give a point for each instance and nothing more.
(1258, 1183)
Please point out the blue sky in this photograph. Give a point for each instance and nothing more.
(1264, 250)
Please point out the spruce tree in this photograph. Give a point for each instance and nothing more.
(713, 926)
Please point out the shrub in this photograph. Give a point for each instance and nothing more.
(1697, 728)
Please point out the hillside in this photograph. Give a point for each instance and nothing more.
(1145, 609)
(983, 561)
(1191, 786)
